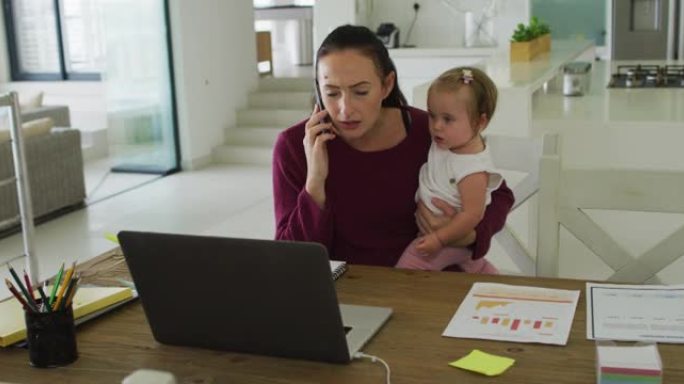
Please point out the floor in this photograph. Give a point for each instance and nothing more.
(221, 200)
(102, 183)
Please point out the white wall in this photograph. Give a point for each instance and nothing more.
(438, 26)
(4, 53)
(214, 53)
(329, 14)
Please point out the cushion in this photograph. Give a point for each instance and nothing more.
(36, 127)
(31, 102)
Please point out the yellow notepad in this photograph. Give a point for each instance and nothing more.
(86, 301)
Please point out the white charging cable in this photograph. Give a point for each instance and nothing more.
(374, 359)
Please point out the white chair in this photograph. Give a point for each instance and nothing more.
(565, 192)
(519, 154)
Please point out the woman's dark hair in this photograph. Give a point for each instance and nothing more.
(363, 40)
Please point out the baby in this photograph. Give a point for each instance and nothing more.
(459, 169)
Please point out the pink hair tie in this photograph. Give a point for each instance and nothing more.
(467, 76)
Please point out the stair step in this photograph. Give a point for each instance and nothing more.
(271, 117)
(8, 181)
(9, 222)
(253, 136)
(282, 84)
(233, 154)
(281, 100)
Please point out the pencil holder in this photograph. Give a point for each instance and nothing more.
(51, 338)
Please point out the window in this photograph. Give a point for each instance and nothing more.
(54, 39)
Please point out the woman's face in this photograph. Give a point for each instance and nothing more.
(352, 92)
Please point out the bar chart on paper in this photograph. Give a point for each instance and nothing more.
(514, 313)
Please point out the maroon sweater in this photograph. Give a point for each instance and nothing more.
(370, 197)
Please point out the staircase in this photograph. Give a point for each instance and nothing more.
(276, 105)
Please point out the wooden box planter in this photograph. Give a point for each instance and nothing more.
(528, 50)
(525, 50)
(545, 42)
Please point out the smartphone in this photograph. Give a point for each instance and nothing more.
(319, 100)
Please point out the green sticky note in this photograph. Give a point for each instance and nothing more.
(111, 237)
(484, 363)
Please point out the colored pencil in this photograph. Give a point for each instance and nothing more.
(70, 289)
(55, 284)
(16, 294)
(46, 302)
(63, 288)
(29, 286)
(16, 278)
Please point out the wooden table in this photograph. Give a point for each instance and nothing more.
(114, 345)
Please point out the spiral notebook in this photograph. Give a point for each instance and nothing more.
(337, 268)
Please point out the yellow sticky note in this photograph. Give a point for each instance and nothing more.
(484, 363)
(111, 237)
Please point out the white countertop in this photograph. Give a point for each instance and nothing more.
(532, 74)
(526, 76)
(639, 128)
(611, 105)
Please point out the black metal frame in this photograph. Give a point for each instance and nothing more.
(138, 168)
(172, 78)
(15, 67)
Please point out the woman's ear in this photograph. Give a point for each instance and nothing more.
(388, 84)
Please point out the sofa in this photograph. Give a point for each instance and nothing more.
(54, 164)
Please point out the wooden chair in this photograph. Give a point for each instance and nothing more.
(565, 193)
(264, 52)
(519, 154)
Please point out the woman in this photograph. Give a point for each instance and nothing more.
(347, 176)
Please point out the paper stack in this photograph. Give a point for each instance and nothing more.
(628, 364)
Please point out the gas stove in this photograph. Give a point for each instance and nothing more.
(648, 76)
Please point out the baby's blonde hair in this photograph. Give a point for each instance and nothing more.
(483, 90)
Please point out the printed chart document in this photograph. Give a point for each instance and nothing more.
(515, 313)
(635, 312)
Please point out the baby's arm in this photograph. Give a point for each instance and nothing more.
(473, 190)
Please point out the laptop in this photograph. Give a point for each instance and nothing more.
(253, 296)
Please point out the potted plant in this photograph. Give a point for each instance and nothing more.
(529, 41)
(543, 33)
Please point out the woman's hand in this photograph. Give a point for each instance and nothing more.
(317, 133)
(429, 222)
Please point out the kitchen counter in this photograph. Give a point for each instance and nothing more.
(533, 74)
(610, 105)
(517, 82)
